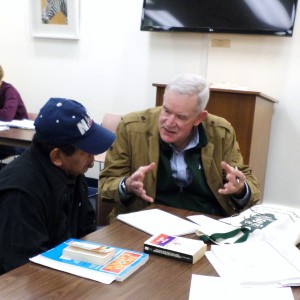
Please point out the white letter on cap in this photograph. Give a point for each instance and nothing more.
(83, 126)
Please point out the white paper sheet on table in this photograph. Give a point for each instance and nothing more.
(3, 127)
(155, 221)
(257, 263)
(22, 124)
(216, 288)
(209, 226)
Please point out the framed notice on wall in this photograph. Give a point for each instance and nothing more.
(54, 19)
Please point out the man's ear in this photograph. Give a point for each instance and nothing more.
(201, 116)
(56, 157)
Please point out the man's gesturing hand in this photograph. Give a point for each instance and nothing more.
(135, 183)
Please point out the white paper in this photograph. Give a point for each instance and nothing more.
(209, 226)
(216, 288)
(90, 274)
(23, 124)
(3, 127)
(266, 220)
(155, 221)
(257, 263)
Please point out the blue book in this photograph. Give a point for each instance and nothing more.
(120, 266)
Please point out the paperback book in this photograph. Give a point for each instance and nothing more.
(123, 263)
(87, 252)
(179, 248)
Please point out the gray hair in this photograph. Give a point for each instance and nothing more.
(191, 84)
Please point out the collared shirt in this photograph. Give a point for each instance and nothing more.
(179, 168)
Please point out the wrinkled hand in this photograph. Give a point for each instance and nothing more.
(235, 180)
(135, 183)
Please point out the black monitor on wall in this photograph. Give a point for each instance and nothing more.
(270, 17)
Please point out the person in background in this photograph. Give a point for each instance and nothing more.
(178, 155)
(11, 104)
(11, 108)
(43, 192)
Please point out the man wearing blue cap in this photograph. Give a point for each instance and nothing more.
(43, 193)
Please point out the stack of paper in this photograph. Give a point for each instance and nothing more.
(257, 263)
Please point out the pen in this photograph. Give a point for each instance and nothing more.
(237, 178)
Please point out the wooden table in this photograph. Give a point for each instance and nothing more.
(16, 137)
(159, 278)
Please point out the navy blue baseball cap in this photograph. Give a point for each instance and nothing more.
(65, 121)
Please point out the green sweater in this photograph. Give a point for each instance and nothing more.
(196, 196)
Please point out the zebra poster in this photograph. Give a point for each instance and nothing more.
(54, 12)
(55, 19)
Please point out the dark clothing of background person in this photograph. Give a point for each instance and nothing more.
(12, 106)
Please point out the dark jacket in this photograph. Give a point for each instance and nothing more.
(40, 207)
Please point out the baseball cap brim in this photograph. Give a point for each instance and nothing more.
(97, 140)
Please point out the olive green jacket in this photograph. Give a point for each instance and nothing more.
(137, 144)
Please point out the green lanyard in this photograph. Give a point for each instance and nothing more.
(215, 236)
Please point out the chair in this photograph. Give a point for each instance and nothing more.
(110, 121)
(32, 116)
(103, 208)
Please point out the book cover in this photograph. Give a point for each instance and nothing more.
(123, 264)
(179, 248)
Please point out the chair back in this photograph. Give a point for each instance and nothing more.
(110, 121)
(103, 208)
(32, 116)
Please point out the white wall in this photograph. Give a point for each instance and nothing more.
(113, 65)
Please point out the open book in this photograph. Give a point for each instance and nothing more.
(119, 267)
